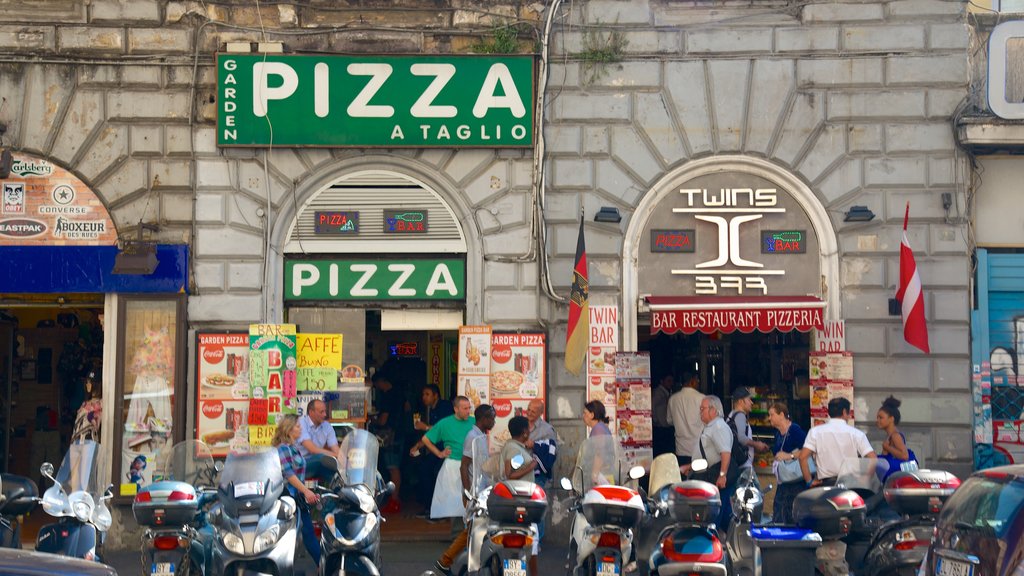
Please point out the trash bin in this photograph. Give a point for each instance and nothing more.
(784, 550)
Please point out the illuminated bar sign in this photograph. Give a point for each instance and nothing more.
(672, 241)
(405, 221)
(336, 223)
(783, 241)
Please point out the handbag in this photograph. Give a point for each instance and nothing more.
(789, 470)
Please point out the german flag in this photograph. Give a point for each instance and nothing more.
(577, 338)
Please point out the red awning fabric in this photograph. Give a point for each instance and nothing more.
(710, 314)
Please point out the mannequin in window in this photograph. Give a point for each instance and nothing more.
(87, 419)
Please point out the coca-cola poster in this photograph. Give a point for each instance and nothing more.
(518, 375)
(222, 383)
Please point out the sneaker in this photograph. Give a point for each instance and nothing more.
(442, 569)
(424, 515)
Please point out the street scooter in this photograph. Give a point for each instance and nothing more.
(78, 502)
(350, 530)
(747, 510)
(691, 544)
(604, 511)
(18, 497)
(664, 475)
(254, 523)
(501, 517)
(177, 540)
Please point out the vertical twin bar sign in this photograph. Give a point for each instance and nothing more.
(392, 101)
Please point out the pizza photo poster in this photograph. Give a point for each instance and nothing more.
(518, 375)
(474, 372)
(604, 343)
(222, 380)
(633, 405)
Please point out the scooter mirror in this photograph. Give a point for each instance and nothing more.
(565, 483)
(46, 470)
(517, 461)
(699, 465)
(389, 489)
(218, 466)
(637, 472)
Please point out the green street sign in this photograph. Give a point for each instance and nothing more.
(361, 101)
(374, 280)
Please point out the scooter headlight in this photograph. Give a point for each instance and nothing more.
(82, 506)
(233, 543)
(267, 539)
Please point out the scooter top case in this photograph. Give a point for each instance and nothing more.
(919, 491)
(168, 503)
(613, 505)
(831, 512)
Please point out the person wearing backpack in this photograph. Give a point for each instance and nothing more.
(742, 404)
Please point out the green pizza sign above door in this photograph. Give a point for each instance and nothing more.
(375, 279)
(392, 101)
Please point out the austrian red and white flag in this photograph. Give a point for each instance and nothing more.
(910, 295)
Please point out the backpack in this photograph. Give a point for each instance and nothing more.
(740, 453)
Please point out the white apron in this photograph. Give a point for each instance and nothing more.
(447, 502)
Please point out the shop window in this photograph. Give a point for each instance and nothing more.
(150, 388)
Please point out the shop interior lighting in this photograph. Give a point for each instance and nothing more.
(608, 214)
(859, 214)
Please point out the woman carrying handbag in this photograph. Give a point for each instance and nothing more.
(789, 439)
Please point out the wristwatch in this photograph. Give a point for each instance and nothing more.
(721, 474)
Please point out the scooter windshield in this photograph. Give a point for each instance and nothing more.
(598, 463)
(357, 461)
(191, 461)
(251, 482)
(862, 474)
(79, 472)
(484, 470)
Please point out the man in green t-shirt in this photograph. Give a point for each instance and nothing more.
(450, 431)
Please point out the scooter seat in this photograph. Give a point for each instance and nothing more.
(20, 495)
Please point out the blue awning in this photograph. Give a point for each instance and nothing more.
(85, 269)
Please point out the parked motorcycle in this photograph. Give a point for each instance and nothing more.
(350, 530)
(604, 511)
(834, 513)
(898, 546)
(18, 497)
(78, 501)
(501, 517)
(747, 510)
(177, 540)
(664, 475)
(254, 523)
(691, 544)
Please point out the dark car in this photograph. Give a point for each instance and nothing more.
(27, 563)
(981, 529)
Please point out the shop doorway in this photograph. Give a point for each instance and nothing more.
(773, 365)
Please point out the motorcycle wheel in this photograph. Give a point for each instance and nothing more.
(189, 569)
(590, 566)
(494, 567)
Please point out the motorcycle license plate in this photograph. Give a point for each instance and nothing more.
(514, 568)
(162, 569)
(947, 567)
(607, 569)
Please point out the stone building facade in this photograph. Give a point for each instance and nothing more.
(843, 103)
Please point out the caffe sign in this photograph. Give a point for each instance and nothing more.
(748, 237)
(44, 204)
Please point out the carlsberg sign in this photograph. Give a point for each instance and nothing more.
(393, 101)
(375, 279)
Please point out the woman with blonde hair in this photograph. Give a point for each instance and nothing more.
(293, 467)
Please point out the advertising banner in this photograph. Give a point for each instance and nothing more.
(222, 379)
(375, 100)
(474, 376)
(272, 363)
(831, 376)
(633, 405)
(413, 279)
(604, 343)
(518, 375)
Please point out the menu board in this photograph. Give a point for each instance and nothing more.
(604, 343)
(222, 380)
(474, 376)
(633, 405)
(272, 364)
(518, 375)
(319, 361)
(831, 377)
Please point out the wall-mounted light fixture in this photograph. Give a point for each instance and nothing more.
(137, 256)
(859, 214)
(608, 214)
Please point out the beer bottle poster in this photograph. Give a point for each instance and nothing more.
(518, 375)
(222, 381)
(278, 343)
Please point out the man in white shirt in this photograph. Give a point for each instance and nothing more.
(664, 436)
(318, 435)
(684, 410)
(832, 443)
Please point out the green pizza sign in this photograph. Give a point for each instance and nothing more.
(374, 279)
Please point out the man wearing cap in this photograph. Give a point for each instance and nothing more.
(742, 404)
